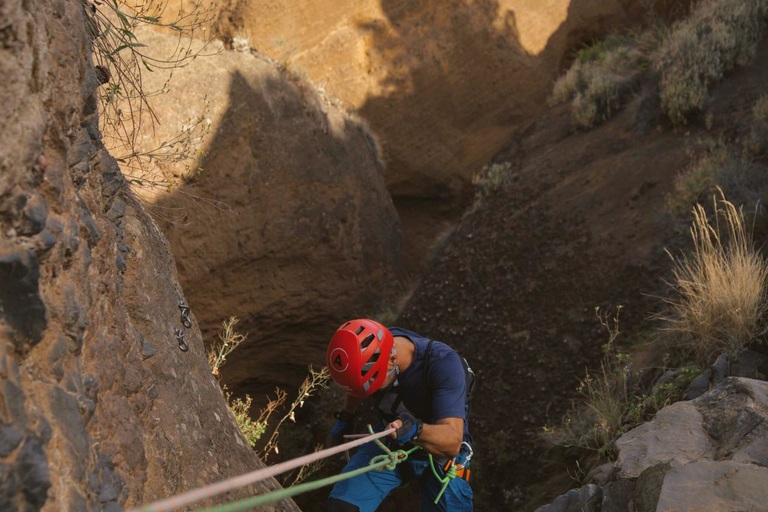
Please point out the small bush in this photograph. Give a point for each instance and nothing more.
(721, 287)
(491, 178)
(600, 417)
(612, 402)
(718, 36)
(599, 80)
(697, 181)
(252, 430)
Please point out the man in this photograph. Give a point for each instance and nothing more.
(422, 392)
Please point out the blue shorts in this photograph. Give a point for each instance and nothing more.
(368, 490)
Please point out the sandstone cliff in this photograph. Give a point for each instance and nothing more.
(305, 235)
(99, 407)
(443, 84)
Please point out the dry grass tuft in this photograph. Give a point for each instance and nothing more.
(718, 36)
(721, 287)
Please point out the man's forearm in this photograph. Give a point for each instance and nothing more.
(440, 440)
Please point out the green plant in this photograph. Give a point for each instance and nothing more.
(600, 417)
(721, 296)
(697, 181)
(599, 50)
(718, 36)
(642, 407)
(491, 179)
(252, 430)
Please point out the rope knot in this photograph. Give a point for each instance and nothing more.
(392, 457)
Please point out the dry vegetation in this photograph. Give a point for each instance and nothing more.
(254, 429)
(721, 287)
(599, 80)
(720, 306)
(121, 59)
(686, 59)
(718, 36)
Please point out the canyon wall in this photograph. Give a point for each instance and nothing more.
(100, 408)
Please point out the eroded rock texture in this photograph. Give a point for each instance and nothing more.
(443, 83)
(304, 234)
(99, 408)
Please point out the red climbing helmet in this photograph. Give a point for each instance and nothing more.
(358, 356)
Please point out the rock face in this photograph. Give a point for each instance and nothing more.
(708, 454)
(444, 84)
(99, 408)
(305, 236)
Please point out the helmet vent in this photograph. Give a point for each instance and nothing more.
(367, 341)
(367, 385)
(359, 330)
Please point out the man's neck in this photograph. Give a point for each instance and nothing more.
(405, 351)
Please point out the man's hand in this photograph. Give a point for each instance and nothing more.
(345, 424)
(408, 428)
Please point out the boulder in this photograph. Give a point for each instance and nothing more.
(676, 436)
(709, 486)
(583, 499)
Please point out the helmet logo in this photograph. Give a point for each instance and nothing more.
(339, 360)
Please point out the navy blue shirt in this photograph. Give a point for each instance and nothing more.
(442, 392)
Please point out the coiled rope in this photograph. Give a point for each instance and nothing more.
(209, 491)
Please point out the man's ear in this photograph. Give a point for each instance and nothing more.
(392, 359)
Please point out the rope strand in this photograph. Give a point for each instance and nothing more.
(209, 491)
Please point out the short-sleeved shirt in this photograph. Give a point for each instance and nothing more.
(444, 395)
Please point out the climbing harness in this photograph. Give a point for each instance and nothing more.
(185, 310)
(457, 467)
(180, 338)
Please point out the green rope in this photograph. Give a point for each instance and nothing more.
(281, 494)
(389, 460)
(449, 475)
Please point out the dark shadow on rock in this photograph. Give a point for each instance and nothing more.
(305, 235)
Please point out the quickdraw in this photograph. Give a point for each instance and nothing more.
(185, 310)
(180, 338)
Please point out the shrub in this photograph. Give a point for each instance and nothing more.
(721, 287)
(491, 178)
(599, 80)
(697, 181)
(599, 418)
(716, 37)
(252, 430)
(229, 340)
(611, 402)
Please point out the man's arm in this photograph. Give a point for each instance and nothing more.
(442, 439)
